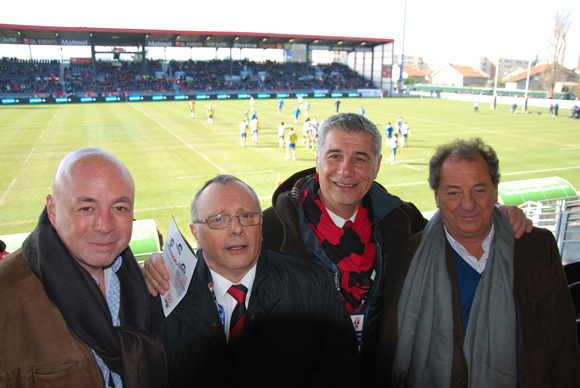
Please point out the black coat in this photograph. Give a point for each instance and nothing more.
(296, 332)
(283, 233)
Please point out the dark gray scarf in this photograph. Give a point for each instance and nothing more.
(424, 355)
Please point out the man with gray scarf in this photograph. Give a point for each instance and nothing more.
(479, 308)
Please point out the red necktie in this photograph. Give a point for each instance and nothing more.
(238, 292)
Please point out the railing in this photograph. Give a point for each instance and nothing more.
(562, 217)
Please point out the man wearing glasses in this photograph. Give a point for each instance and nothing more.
(250, 316)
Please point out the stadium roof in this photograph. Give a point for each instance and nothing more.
(84, 36)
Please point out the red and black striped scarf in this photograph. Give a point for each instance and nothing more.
(351, 248)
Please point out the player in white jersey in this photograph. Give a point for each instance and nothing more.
(281, 132)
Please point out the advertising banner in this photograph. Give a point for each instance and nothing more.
(363, 49)
(216, 44)
(387, 71)
(74, 42)
(341, 48)
(325, 47)
(188, 44)
(159, 43)
(518, 192)
(270, 45)
(245, 45)
(12, 40)
(39, 41)
(81, 61)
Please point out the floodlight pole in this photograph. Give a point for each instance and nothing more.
(494, 101)
(402, 52)
(525, 105)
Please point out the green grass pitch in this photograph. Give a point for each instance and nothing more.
(171, 155)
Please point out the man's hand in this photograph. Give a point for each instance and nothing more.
(518, 219)
(156, 274)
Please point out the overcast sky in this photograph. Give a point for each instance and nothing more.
(439, 31)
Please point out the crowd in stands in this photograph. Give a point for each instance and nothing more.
(32, 76)
(24, 76)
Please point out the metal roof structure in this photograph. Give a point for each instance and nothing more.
(89, 36)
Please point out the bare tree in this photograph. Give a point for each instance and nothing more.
(556, 50)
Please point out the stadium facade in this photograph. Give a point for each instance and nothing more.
(368, 71)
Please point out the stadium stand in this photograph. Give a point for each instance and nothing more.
(562, 217)
(24, 76)
(52, 77)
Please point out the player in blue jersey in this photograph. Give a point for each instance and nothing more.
(253, 115)
(389, 133)
(361, 111)
(295, 114)
(280, 105)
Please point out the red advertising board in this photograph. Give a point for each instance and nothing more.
(82, 61)
(387, 71)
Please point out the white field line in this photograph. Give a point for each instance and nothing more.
(28, 157)
(403, 161)
(568, 149)
(181, 140)
(19, 222)
(406, 184)
(411, 167)
(41, 135)
(7, 191)
(236, 173)
(546, 170)
(50, 121)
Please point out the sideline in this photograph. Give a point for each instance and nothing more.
(7, 191)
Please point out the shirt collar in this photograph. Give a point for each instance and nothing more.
(110, 270)
(338, 220)
(221, 285)
(478, 265)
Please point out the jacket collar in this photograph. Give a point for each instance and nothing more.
(198, 310)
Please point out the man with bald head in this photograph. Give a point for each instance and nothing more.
(75, 310)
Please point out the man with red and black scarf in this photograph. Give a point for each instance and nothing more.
(336, 215)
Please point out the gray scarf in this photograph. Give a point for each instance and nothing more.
(424, 355)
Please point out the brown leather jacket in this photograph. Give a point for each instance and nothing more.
(36, 346)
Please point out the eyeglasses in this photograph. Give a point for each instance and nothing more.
(222, 221)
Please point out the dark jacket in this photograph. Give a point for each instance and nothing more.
(547, 344)
(396, 221)
(296, 332)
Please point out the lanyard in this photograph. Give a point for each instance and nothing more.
(221, 310)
